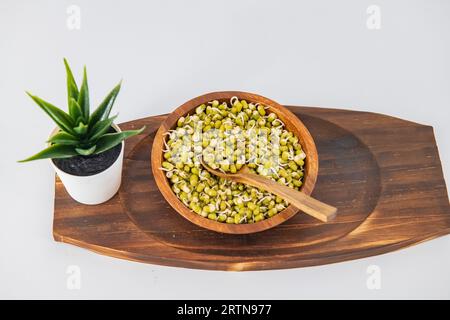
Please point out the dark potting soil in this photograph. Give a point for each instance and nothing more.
(89, 165)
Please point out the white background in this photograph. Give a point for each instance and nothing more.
(317, 53)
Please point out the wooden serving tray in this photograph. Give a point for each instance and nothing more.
(383, 174)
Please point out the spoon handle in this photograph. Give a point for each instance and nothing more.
(307, 204)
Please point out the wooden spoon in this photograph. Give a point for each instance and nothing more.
(307, 204)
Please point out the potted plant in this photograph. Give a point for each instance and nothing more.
(86, 149)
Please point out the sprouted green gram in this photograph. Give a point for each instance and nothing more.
(229, 136)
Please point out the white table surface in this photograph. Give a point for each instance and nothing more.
(318, 53)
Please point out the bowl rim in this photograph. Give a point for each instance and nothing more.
(291, 121)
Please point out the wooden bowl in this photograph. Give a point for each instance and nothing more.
(292, 123)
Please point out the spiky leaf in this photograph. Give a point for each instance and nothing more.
(100, 128)
(83, 97)
(55, 151)
(86, 152)
(81, 129)
(62, 119)
(72, 88)
(104, 109)
(110, 140)
(75, 110)
(64, 138)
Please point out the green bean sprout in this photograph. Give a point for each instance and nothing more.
(228, 136)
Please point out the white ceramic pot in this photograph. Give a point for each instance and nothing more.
(96, 188)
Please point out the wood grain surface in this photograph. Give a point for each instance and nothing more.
(382, 173)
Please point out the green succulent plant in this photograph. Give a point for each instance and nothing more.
(81, 133)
